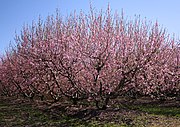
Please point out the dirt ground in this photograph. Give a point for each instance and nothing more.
(143, 112)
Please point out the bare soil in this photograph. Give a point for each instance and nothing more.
(25, 113)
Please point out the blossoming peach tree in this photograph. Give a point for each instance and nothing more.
(94, 57)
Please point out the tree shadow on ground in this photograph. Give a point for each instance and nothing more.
(120, 112)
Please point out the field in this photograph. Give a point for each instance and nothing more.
(143, 112)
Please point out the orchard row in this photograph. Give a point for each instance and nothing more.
(94, 57)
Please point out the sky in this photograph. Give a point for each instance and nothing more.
(14, 14)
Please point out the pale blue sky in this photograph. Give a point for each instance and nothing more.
(15, 13)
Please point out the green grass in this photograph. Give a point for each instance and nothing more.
(19, 115)
(22, 114)
(166, 111)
